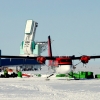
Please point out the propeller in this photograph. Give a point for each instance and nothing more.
(76, 65)
(84, 58)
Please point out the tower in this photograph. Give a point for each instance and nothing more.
(28, 46)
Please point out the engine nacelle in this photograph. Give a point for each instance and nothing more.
(85, 59)
(41, 59)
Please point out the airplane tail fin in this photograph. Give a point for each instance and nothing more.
(49, 51)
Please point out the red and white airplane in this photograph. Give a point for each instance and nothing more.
(62, 64)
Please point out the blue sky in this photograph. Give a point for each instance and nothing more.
(74, 25)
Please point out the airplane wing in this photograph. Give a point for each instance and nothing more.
(28, 57)
(41, 59)
(49, 58)
(90, 57)
(85, 59)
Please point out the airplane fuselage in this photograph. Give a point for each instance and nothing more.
(63, 69)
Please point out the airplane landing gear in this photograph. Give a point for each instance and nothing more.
(67, 77)
(47, 78)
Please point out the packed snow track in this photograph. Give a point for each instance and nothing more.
(39, 89)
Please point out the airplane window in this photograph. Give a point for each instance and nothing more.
(64, 60)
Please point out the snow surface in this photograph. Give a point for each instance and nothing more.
(37, 88)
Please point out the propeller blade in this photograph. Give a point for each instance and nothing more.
(77, 64)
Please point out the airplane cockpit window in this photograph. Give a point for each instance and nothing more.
(64, 60)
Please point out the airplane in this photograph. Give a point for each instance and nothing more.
(61, 64)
